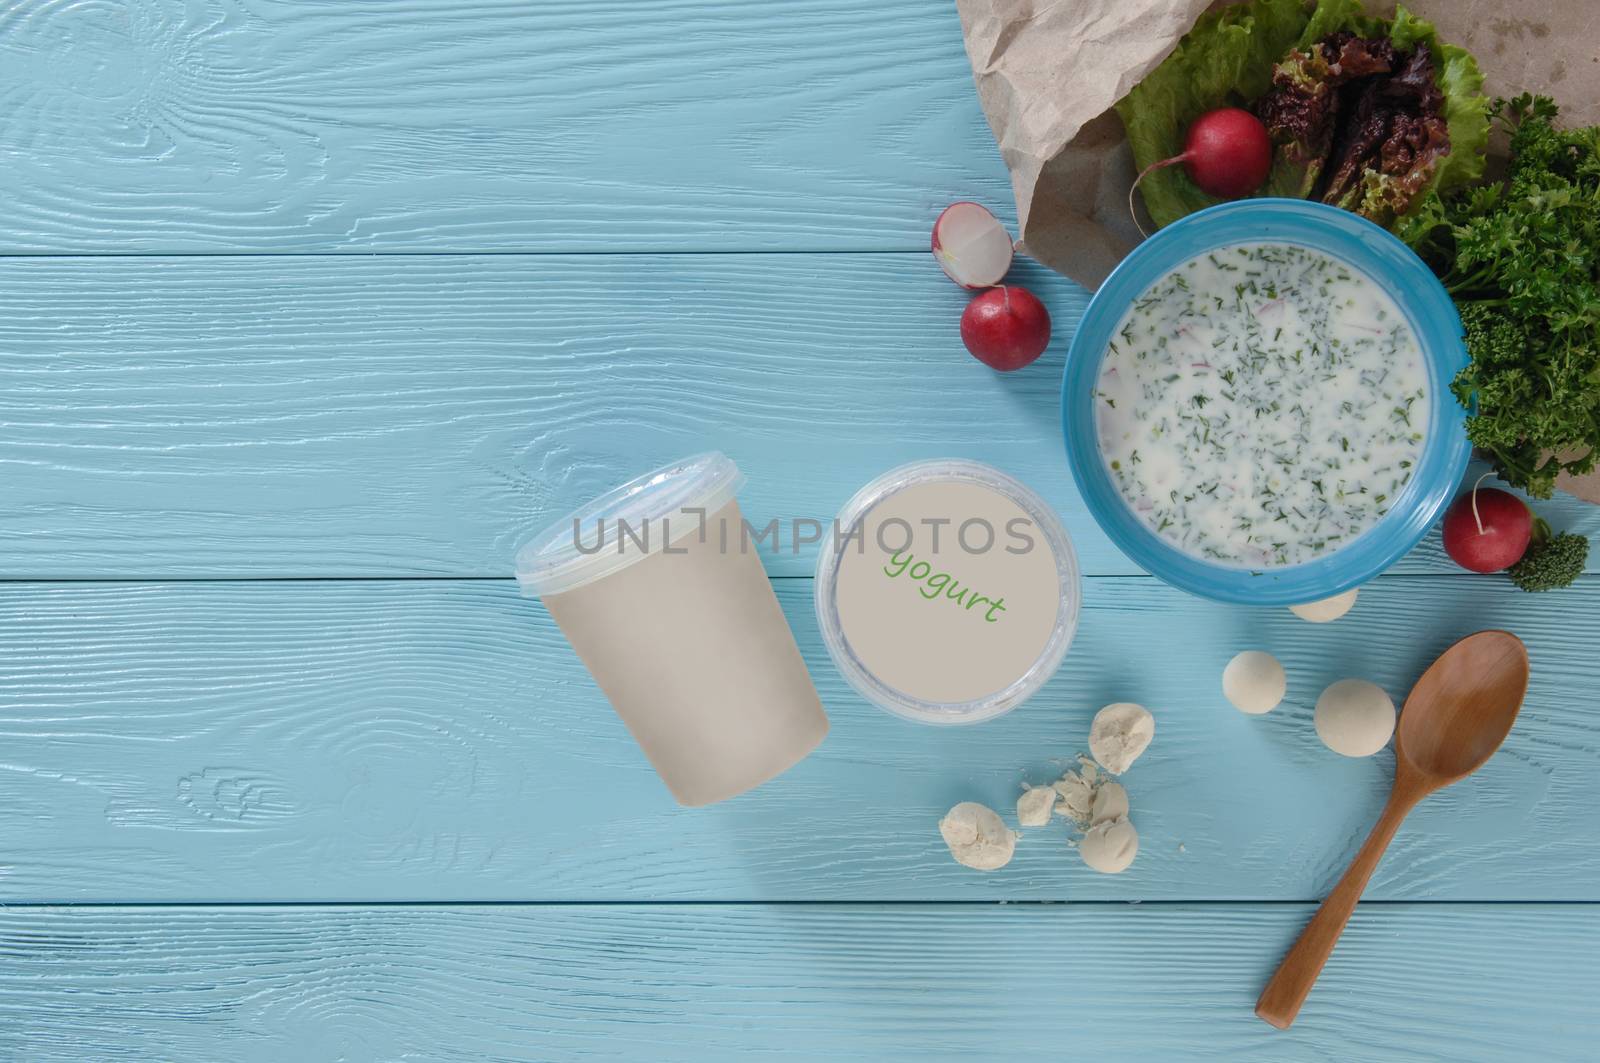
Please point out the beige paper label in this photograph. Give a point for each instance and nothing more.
(692, 649)
(950, 592)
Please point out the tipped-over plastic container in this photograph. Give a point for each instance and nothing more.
(663, 596)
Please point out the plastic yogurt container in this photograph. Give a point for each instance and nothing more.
(666, 602)
(947, 592)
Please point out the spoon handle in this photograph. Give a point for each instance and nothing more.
(1280, 1001)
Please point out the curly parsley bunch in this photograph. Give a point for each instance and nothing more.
(1552, 561)
(1522, 260)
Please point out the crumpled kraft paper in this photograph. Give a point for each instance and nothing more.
(1048, 72)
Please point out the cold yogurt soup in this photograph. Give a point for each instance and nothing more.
(1262, 405)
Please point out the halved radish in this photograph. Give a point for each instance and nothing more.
(971, 245)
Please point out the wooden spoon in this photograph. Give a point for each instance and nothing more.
(1456, 717)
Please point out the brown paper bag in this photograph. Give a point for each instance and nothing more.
(1048, 72)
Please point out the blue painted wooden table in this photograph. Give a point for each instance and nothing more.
(312, 311)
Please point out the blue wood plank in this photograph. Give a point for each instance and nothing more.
(438, 740)
(1413, 983)
(349, 416)
(499, 125)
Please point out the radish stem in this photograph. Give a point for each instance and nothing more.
(1475, 517)
(1146, 172)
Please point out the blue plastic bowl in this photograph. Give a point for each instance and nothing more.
(1341, 235)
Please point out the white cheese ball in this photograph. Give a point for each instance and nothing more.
(1254, 682)
(1110, 802)
(1328, 609)
(1035, 805)
(1355, 718)
(977, 837)
(1110, 847)
(1119, 733)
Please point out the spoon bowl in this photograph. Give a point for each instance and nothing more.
(1455, 718)
(1462, 708)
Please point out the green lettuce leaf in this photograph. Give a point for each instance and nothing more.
(1226, 60)
(1466, 108)
(1331, 16)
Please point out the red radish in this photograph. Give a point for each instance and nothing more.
(971, 245)
(1487, 530)
(1227, 153)
(1005, 328)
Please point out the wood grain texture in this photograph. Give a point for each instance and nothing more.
(437, 740)
(424, 415)
(703, 983)
(270, 415)
(496, 125)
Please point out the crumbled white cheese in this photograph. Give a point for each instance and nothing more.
(1077, 794)
(1110, 847)
(1035, 805)
(1119, 733)
(977, 837)
(1110, 802)
(1096, 805)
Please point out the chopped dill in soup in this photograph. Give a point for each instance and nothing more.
(1262, 405)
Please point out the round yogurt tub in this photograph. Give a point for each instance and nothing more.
(947, 592)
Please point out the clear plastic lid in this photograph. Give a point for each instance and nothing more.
(657, 509)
